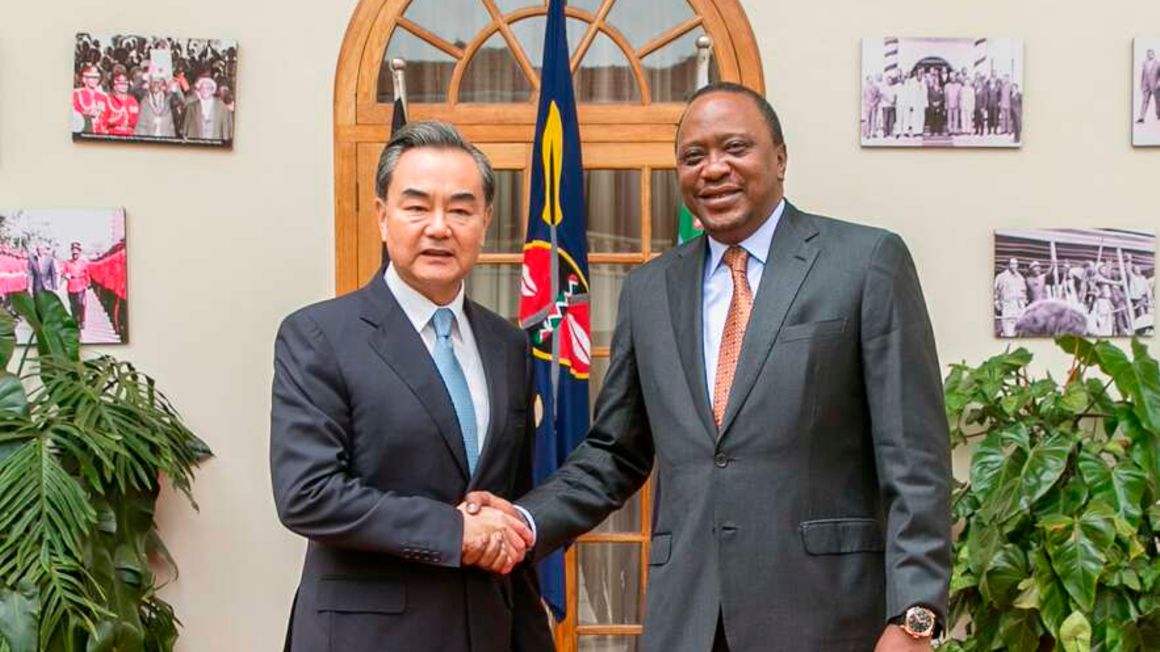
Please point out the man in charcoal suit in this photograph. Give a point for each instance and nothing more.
(389, 405)
(780, 377)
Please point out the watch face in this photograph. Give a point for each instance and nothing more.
(920, 621)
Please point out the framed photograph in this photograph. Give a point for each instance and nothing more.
(1146, 91)
(941, 92)
(1090, 282)
(156, 89)
(79, 255)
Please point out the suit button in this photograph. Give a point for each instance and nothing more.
(721, 460)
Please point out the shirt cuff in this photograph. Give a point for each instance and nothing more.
(529, 520)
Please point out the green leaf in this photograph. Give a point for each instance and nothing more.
(1076, 547)
(7, 338)
(1007, 569)
(1081, 348)
(1045, 465)
(1007, 497)
(1076, 633)
(19, 613)
(1054, 605)
(1075, 397)
(1148, 378)
(12, 395)
(1028, 597)
(1121, 485)
(986, 464)
(1020, 631)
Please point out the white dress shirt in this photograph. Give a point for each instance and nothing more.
(419, 310)
(718, 289)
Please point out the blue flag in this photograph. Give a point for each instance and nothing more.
(554, 279)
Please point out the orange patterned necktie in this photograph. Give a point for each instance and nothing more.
(739, 308)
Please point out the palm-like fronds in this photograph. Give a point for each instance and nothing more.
(80, 459)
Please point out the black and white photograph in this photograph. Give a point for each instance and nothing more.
(160, 89)
(941, 92)
(1089, 282)
(1146, 91)
(77, 254)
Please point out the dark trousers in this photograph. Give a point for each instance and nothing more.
(76, 302)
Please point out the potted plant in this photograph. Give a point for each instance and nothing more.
(1057, 525)
(84, 444)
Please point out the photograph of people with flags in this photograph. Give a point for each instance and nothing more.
(1088, 282)
(941, 92)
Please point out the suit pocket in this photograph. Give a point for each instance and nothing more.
(812, 330)
(660, 550)
(838, 536)
(351, 595)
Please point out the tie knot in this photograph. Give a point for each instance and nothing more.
(441, 320)
(736, 259)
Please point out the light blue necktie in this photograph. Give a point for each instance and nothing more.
(456, 382)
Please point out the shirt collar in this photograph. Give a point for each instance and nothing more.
(418, 308)
(756, 245)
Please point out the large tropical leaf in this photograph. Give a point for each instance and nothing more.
(1076, 547)
(13, 398)
(1118, 484)
(1045, 465)
(1076, 633)
(19, 614)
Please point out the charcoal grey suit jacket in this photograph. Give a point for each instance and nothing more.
(368, 464)
(821, 507)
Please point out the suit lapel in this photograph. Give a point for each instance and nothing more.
(493, 354)
(791, 256)
(395, 340)
(684, 279)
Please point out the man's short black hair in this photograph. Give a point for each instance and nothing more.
(763, 105)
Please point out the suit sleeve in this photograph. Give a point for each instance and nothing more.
(530, 632)
(316, 494)
(909, 425)
(608, 467)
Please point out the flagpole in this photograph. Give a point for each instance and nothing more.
(398, 70)
(704, 52)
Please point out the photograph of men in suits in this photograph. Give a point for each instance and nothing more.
(42, 274)
(389, 405)
(1146, 92)
(780, 377)
(206, 116)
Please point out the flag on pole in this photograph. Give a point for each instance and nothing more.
(554, 279)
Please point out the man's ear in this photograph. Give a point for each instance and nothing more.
(381, 215)
(782, 154)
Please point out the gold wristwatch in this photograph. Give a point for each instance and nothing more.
(919, 622)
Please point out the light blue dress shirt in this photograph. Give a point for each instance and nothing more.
(718, 289)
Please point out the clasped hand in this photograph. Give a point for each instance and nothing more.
(495, 536)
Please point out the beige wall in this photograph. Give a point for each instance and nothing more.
(223, 244)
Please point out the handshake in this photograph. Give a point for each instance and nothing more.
(495, 535)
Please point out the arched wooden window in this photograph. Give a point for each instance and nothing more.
(475, 63)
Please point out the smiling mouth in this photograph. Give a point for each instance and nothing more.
(437, 253)
(720, 197)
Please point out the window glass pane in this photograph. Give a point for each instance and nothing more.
(455, 21)
(664, 206)
(612, 207)
(529, 32)
(428, 69)
(493, 75)
(503, 235)
(591, 6)
(672, 70)
(605, 281)
(609, 643)
(508, 6)
(609, 583)
(643, 20)
(496, 287)
(605, 75)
